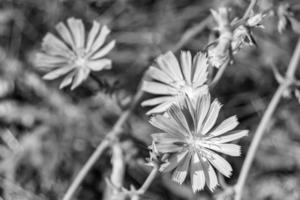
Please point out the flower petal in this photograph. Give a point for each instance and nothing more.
(167, 138)
(227, 125)
(92, 35)
(170, 65)
(167, 125)
(181, 170)
(158, 88)
(58, 72)
(67, 80)
(80, 76)
(65, 34)
(210, 174)
(159, 75)
(211, 117)
(189, 114)
(231, 137)
(219, 163)
(105, 50)
(197, 174)
(100, 39)
(43, 60)
(98, 65)
(157, 100)
(229, 149)
(202, 107)
(176, 113)
(173, 161)
(160, 108)
(200, 64)
(168, 148)
(186, 65)
(77, 29)
(54, 46)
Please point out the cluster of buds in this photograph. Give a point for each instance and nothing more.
(233, 36)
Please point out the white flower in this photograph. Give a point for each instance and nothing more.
(73, 54)
(189, 138)
(173, 81)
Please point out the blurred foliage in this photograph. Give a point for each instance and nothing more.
(47, 135)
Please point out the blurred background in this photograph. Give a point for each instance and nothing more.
(47, 134)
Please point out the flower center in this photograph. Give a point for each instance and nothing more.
(80, 61)
(194, 143)
(186, 90)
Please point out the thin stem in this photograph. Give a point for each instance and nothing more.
(97, 80)
(290, 74)
(265, 121)
(192, 32)
(249, 9)
(255, 142)
(246, 15)
(149, 180)
(135, 194)
(117, 129)
(218, 75)
(117, 174)
(85, 169)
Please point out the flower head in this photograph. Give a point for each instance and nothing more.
(173, 81)
(231, 39)
(73, 54)
(220, 52)
(192, 142)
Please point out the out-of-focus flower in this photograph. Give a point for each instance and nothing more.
(286, 18)
(173, 81)
(73, 55)
(220, 53)
(191, 141)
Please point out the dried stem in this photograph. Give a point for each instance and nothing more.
(110, 137)
(289, 79)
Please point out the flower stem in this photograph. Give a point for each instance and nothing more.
(289, 78)
(192, 32)
(218, 75)
(117, 175)
(249, 9)
(149, 180)
(85, 169)
(135, 195)
(116, 130)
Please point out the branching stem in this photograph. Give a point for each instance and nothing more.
(289, 79)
